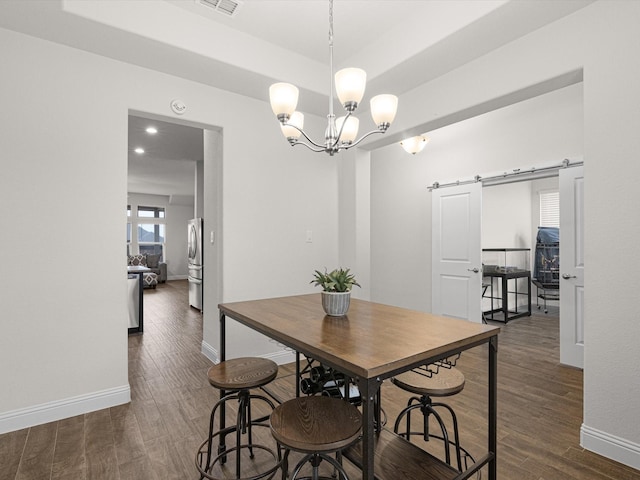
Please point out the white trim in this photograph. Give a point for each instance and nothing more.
(210, 352)
(60, 409)
(281, 358)
(610, 446)
(177, 277)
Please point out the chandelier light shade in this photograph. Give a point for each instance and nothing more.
(284, 100)
(350, 129)
(293, 128)
(341, 133)
(383, 109)
(350, 85)
(414, 145)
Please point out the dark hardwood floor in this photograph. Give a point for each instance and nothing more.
(156, 435)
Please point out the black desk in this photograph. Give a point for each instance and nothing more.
(505, 277)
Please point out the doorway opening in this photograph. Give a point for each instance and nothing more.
(511, 217)
(169, 163)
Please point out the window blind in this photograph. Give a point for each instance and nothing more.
(550, 209)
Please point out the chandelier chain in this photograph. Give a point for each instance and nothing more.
(331, 23)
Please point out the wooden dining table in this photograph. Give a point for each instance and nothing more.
(369, 344)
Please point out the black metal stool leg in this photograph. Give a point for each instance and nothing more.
(249, 423)
(244, 424)
(456, 434)
(427, 409)
(241, 424)
(211, 432)
(445, 434)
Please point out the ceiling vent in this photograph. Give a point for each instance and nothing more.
(226, 7)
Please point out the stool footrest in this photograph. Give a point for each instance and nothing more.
(203, 452)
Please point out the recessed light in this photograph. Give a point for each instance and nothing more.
(139, 151)
(152, 130)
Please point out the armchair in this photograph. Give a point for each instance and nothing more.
(152, 262)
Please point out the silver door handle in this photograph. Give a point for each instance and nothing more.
(474, 270)
(566, 276)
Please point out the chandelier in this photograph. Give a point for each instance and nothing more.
(341, 132)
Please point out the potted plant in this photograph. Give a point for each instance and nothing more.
(336, 290)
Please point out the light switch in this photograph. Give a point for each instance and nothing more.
(309, 236)
(213, 237)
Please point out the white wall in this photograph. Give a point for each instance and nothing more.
(506, 223)
(601, 39)
(64, 147)
(506, 216)
(177, 216)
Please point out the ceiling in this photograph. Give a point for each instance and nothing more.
(400, 43)
(168, 164)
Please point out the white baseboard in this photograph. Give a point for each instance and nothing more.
(210, 352)
(177, 277)
(282, 357)
(610, 446)
(60, 409)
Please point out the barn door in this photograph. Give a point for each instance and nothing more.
(572, 267)
(456, 251)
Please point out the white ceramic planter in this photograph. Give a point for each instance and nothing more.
(336, 304)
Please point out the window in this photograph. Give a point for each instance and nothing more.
(550, 209)
(150, 238)
(146, 231)
(151, 212)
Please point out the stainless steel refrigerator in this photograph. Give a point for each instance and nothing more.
(194, 250)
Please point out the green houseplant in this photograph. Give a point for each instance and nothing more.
(336, 290)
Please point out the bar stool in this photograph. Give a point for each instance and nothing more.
(316, 426)
(431, 381)
(238, 376)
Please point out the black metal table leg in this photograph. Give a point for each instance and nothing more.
(493, 406)
(223, 356)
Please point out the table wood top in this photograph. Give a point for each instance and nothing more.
(371, 340)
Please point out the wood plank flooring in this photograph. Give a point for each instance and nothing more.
(156, 436)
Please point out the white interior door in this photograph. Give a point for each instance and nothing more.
(572, 266)
(456, 251)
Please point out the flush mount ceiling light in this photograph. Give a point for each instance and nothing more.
(414, 145)
(341, 132)
(139, 151)
(151, 130)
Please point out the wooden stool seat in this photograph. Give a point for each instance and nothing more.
(316, 426)
(447, 382)
(242, 373)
